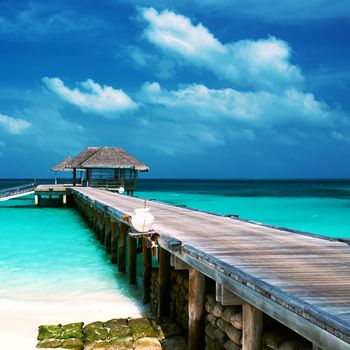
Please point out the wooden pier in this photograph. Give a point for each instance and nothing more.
(302, 281)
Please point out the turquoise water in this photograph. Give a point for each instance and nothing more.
(48, 251)
(52, 251)
(319, 207)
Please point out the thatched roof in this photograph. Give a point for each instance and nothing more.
(106, 157)
(63, 165)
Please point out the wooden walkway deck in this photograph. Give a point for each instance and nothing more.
(300, 280)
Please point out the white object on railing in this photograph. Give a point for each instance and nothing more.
(142, 220)
(121, 190)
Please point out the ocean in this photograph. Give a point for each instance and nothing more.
(313, 206)
(53, 270)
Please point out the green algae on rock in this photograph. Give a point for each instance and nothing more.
(142, 327)
(73, 330)
(115, 334)
(49, 343)
(49, 332)
(72, 343)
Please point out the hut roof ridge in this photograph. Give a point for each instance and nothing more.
(106, 157)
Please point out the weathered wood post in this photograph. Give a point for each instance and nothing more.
(196, 311)
(114, 241)
(132, 260)
(164, 283)
(252, 328)
(102, 232)
(122, 247)
(107, 241)
(147, 272)
(37, 199)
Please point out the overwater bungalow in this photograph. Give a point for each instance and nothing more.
(109, 168)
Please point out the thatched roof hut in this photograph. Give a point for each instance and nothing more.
(63, 165)
(104, 167)
(106, 158)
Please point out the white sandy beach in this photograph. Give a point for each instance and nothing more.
(20, 318)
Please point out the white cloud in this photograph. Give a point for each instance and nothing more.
(15, 126)
(92, 97)
(39, 19)
(257, 108)
(253, 64)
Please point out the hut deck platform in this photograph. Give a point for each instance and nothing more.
(52, 189)
(301, 280)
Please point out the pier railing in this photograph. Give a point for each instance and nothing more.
(14, 191)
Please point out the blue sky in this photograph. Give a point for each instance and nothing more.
(232, 89)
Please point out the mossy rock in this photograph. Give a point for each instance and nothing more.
(147, 344)
(126, 343)
(141, 328)
(72, 330)
(92, 325)
(72, 343)
(49, 332)
(49, 343)
(97, 345)
(118, 328)
(94, 333)
(116, 322)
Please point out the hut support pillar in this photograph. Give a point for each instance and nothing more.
(64, 199)
(74, 180)
(132, 260)
(114, 241)
(164, 283)
(147, 271)
(122, 247)
(252, 328)
(196, 310)
(37, 198)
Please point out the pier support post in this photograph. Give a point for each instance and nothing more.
(102, 231)
(37, 198)
(114, 241)
(122, 247)
(252, 328)
(132, 260)
(164, 283)
(64, 199)
(196, 310)
(107, 229)
(147, 272)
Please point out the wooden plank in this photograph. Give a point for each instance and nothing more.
(164, 283)
(252, 328)
(196, 311)
(122, 248)
(147, 271)
(132, 260)
(114, 241)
